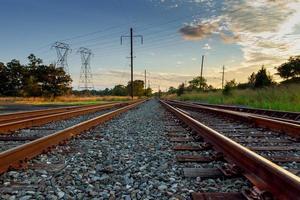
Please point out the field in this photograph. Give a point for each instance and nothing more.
(285, 97)
(64, 100)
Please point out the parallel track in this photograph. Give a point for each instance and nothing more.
(17, 157)
(38, 118)
(263, 173)
(15, 116)
(288, 116)
(291, 129)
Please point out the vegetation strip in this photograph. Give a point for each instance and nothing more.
(15, 157)
(261, 172)
(290, 129)
(13, 126)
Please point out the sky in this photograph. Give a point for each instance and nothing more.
(242, 35)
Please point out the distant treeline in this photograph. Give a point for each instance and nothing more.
(289, 71)
(119, 90)
(33, 79)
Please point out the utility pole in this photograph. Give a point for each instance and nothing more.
(223, 77)
(62, 51)
(159, 91)
(85, 72)
(131, 36)
(145, 80)
(201, 72)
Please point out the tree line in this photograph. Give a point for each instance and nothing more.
(120, 90)
(33, 79)
(288, 71)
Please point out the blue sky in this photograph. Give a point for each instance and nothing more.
(242, 35)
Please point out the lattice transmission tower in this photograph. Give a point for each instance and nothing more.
(62, 51)
(86, 77)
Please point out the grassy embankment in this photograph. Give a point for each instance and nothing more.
(64, 100)
(285, 97)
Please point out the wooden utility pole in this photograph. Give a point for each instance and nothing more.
(201, 72)
(145, 80)
(131, 36)
(223, 77)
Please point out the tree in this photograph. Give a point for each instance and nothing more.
(181, 89)
(15, 78)
(290, 69)
(119, 90)
(148, 92)
(138, 88)
(172, 90)
(198, 82)
(33, 79)
(228, 87)
(262, 78)
(54, 81)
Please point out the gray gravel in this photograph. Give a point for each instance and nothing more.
(48, 128)
(127, 158)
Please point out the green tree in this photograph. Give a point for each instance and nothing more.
(290, 69)
(138, 88)
(181, 89)
(228, 87)
(119, 90)
(172, 90)
(262, 78)
(15, 78)
(198, 83)
(54, 81)
(148, 92)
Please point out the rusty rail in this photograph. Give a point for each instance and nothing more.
(6, 128)
(10, 117)
(16, 158)
(290, 129)
(261, 172)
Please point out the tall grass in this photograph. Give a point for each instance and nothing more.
(284, 97)
(74, 100)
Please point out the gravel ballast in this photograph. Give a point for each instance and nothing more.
(129, 157)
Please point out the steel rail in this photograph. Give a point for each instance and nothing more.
(37, 121)
(290, 129)
(17, 157)
(10, 117)
(262, 173)
(276, 114)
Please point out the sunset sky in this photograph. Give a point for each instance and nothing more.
(242, 35)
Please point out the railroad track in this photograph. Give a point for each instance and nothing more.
(15, 121)
(290, 127)
(27, 145)
(250, 148)
(292, 117)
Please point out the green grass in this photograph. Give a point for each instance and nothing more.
(285, 97)
(64, 100)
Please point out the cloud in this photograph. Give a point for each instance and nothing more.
(265, 30)
(206, 47)
(199, 31)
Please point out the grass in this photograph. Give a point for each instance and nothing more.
(63, 100)
(284, 97)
